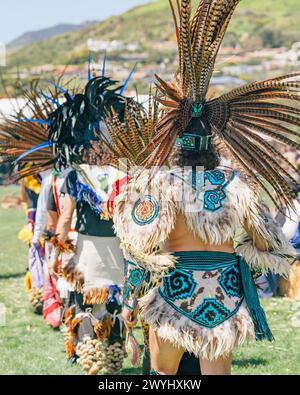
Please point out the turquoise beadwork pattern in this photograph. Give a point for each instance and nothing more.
(214, 198)
(135, 277)
(215, 177)
(179, 284)
(209, 186)
(187, 142)
(211, 313)
(197, 110)
(126, 292)
(230, 281)
(145, 210)
(204, 287)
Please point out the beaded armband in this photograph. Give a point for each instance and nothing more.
(134, 278)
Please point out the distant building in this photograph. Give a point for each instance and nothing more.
(110, 46)
(226, 80)
(291, 56)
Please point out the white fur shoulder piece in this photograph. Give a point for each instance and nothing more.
(215, 204)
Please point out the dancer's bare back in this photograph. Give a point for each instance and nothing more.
(182, 239)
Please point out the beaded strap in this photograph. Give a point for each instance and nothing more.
(134, 278)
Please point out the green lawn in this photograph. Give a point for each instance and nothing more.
(28, 346)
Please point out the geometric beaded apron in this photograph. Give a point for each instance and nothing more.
(205, 287)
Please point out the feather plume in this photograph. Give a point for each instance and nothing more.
(130, 139)
(69, 127)
(17, 136)
(247, 120)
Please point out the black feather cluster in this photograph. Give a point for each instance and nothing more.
(77, 121)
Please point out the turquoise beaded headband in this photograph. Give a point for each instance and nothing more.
(193, 142)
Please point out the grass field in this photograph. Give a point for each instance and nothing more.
(28, 346)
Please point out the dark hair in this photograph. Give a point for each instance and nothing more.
(208, 158)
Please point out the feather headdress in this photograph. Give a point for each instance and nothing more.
(76, 123)
(59, 130)
(246, 120)
(24, 140)
(128, 139)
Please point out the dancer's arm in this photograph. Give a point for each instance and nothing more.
(67, 208)
(257, 238)
(65, 220)
(52, 220)
(41, 218)
(263, 244)
(61, 232)
(130, 318)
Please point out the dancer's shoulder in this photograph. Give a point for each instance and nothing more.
(145, 212)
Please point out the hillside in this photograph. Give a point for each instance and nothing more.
(257, 23)
(32, 37)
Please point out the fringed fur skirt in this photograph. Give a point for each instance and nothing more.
(200, 305)
(95, 329)
(97, 265)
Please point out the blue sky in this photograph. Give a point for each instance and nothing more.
(19, 16)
